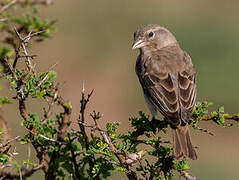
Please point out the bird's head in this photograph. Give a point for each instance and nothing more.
(153, 37)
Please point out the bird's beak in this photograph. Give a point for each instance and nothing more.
(138, 44)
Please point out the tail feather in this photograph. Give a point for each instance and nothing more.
(182, 146)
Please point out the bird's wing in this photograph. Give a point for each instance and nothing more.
(187, 89)
(170, 85)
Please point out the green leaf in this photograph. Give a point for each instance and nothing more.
(181, 165)
(6, 52)
(24, 142)
(4, 100)
(28, 162)
(3, 158)
(112, 127)
(51, 75)
(120, 169)
(16, 164)
(68, 166)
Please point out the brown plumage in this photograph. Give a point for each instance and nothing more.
(167, 77)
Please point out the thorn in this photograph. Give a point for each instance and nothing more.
(83, 87)
(53, 66)
(89, 95)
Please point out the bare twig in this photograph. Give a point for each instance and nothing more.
(27, 173)
(46, 75)
(8, 69)
(23, 42)
(8, 142)
(32, 2)
(20, 174)
(30, 56)
(5, 7)
(205, 131)
(81, 121)
(5, 166)
(28, 59)
(51, 102)
(3, 19)
(30, 35)
(46, 138)
(187, 175)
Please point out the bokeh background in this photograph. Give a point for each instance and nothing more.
(93, 44)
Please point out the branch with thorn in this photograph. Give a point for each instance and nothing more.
(96, 116)
(81, 120)
(63, 121)
(23, 174)
(6, 6)
(6, 143)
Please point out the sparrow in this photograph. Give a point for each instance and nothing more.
(167, 77)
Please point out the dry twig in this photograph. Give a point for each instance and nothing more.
(24, 174)
(32, 2)
(5, 7)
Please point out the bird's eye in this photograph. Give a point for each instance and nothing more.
(151, 34)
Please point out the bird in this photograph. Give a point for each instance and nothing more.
(167, 78)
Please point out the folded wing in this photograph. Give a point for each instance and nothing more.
(172, 91)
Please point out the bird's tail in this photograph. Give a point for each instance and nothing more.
(182, 146)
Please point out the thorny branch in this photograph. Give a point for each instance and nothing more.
(81, 120)
(23, 42)
(46, 75)
(24, 173)
(50, 102)
(48, 139)
(215, 118)
(41, 155)
(63, 124)
(64, 121)
(32, 2)
(96, 116)
(6, 6)
(125, 160)
(6, 143)
(73, 158)
(121, 156)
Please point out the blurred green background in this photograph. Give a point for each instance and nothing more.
(93, 43)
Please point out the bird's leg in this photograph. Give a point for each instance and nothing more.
(158, 124)
(153, 124)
